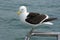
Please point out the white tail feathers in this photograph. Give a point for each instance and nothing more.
(50, 23)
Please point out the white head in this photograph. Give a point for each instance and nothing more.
(22, 9)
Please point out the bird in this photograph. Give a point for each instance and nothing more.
(33, 18)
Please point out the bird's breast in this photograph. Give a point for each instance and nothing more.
(23, 17)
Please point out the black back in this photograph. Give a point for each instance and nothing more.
(35, 18)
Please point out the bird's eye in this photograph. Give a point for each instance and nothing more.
(22, 9)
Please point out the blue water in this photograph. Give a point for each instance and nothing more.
(12, 29)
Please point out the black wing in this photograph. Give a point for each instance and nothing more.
(35, 18)
(50, 19)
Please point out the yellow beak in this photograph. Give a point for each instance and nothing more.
(18, 12)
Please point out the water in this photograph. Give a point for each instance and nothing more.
(12, 29)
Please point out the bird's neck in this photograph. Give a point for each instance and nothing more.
(24, 13)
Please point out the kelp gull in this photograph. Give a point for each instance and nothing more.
(33, 18)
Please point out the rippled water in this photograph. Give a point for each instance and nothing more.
(12, 29)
